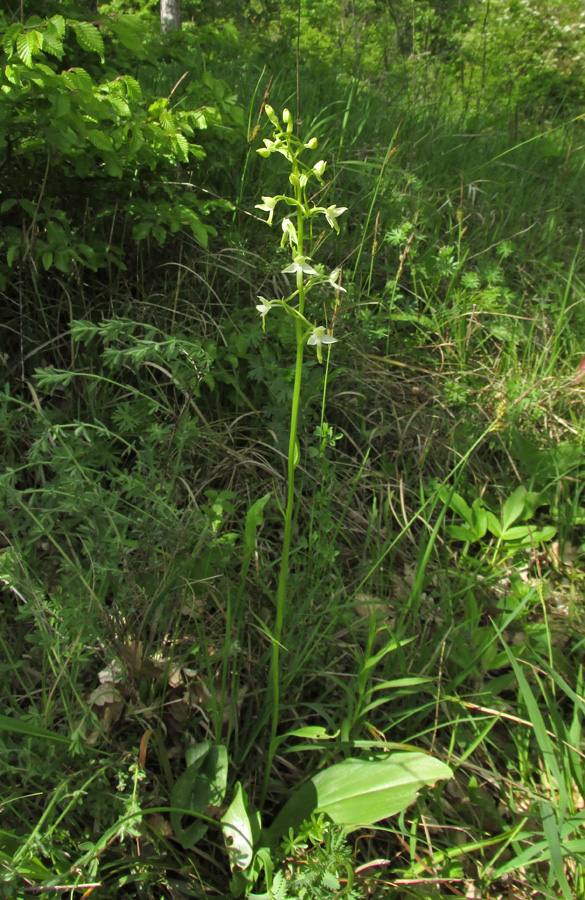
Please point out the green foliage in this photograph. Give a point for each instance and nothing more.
(91, 160)
(407, 557)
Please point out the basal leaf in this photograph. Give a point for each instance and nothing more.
(241, 830)
(202, 786)
(361, 792)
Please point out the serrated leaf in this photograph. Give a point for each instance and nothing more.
(113, 166)
(52, 44)
(182, 147)
(58, 23)
(133, 88)
(128, 31)
(89, 38)
(99, 140)
(166, 121)
(9, 37)
(47, 260)
(27, 44)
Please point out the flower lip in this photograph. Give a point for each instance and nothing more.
(332, 281)
(331, 214)
(268, 205)
(318, 338)
(300, 264)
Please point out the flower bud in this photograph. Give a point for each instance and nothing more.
(311, 145)
(288, 120)
(272, 116)
(319, 168)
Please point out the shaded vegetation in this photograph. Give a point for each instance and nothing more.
(189, 703)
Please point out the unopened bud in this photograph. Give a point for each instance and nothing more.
(272, 116)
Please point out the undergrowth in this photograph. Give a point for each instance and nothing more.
(190, 648)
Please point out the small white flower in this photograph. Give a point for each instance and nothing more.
(300, 264)
(318, 338)
(263, 308)
(332, 281)
(289, 230)
(331, 214)
(268, 206)
(319, 168)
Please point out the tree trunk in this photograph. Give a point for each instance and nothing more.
(170, 15)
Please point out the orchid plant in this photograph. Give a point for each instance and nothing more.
(308, 333)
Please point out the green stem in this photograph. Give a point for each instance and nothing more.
(281, 595)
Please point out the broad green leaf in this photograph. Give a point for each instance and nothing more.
(458, 505)
(361, 792)
(316, 732)
(12, 254)
(202, 786)
(89, 38)
(199, 232)
(462, 533)
(63, 261)
(493, 524)
(241, 830)
(513, 507)
(141, 230)
(479, 517)
(515, 533)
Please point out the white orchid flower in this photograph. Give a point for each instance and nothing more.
(263, 308)
(300, 264)
(318, 338)
(332, 281)
(319, 168)
(268, 205)
(331, 214)
(289, 230)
